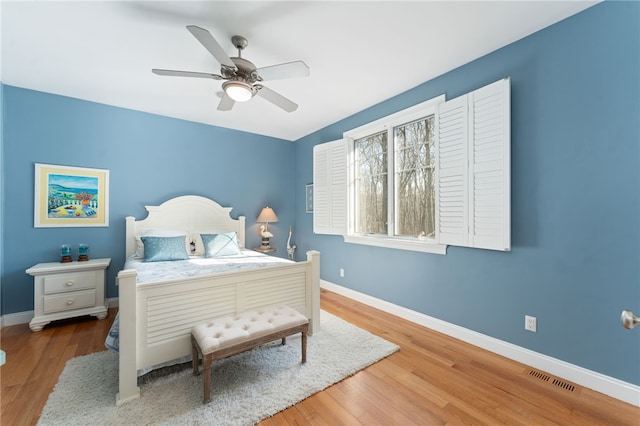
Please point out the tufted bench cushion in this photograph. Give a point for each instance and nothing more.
(223, 337)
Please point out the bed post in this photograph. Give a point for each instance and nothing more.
(128, 375)
(313, 294)
(130, 236)
(240, 231)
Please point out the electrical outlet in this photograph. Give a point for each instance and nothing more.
(530, 323)
(342, 272)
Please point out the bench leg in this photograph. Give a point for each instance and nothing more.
(304, 347)
(194, 359)
(207, 383)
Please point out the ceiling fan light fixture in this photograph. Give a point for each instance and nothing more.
(239, 91)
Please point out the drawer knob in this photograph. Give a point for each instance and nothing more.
(69, 283)
(70, 302)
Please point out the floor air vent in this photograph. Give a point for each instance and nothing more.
(539, 375)
(564, 385)
(556, 382)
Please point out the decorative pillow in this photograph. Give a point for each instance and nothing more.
(157, 233)
(219, 245)
(196, 237)
(157, 249)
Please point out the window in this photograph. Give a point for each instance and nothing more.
(392, 196)
(413, 192)
(432, 175)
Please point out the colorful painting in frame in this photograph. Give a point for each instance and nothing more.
(67, 196)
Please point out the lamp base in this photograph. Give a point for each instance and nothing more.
(66, 259)
(265, 243)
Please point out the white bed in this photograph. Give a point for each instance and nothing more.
(155, 318)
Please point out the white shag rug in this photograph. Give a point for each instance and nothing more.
(246, 388)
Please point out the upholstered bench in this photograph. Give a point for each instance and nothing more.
(223, 337)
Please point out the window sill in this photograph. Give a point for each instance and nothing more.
(397, 243)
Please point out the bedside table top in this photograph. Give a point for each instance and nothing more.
(49, 267)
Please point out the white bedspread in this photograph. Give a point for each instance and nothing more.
(199, 265)
(149, 272)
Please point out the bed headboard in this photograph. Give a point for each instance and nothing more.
(189, 213)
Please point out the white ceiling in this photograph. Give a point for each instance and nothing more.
(360, 53)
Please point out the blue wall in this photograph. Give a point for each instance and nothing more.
(575, 259)
(1, 186)
(150, 159)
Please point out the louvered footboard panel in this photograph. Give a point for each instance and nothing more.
(167, 311)
(173, 316)
(282, 289)
(167, 314)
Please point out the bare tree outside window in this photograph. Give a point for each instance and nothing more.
(415, 191)
(371, 184)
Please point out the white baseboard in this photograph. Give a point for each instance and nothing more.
(610, 386)
(27, 316)
(16, 318)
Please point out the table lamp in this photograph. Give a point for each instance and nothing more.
(266, 215)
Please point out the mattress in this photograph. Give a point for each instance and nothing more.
(199, 265)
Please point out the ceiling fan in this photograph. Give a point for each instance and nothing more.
(242, 78)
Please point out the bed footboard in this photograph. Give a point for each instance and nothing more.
(156, 318)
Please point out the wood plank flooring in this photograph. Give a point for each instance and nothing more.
(432, 380)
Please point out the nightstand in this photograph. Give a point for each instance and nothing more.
(265, 250)
(67, 290)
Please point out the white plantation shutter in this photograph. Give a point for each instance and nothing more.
(338, 184)
(451, 171)
(321, 206)
(473, 190)
(490, 167)
(330, 188)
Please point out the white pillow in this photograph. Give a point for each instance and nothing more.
(160, 233)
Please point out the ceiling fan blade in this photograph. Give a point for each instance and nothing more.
(287, 70)
(276, 98)
(175, 73)
(206, 39)
(226, 103)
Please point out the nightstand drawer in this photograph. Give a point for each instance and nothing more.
(72, 281)
(70, 301)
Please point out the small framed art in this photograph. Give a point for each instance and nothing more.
(66, 196)
(309, 198)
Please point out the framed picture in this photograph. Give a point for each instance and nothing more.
(68, 196)
(309, 198)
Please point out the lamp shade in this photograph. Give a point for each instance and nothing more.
(267, 215)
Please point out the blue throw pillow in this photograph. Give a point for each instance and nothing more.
(157, 249)
(219, 245)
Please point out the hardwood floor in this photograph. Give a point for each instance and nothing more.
(432, 380)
